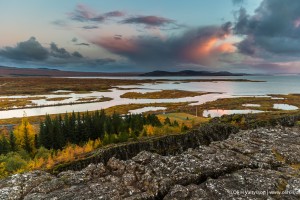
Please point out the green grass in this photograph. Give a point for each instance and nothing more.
(121, 109)
(187, 119)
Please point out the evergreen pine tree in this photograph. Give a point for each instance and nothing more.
(167, 121)
(72, 127)
(66, 128)
(12, 141)
(184, 127)
(27, 147)
(106, 139)
(175, 123)
(123, 137)
(116, 123)
(4, 145)
(36, 141)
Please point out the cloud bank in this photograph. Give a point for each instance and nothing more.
(28, 50)
(274, 28)
(148, 20)
(83, 13)
(31, 51)
(200, 46)
(268, 38)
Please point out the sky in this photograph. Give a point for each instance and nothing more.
(250, 36)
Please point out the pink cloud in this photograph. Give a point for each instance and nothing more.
(200, 46)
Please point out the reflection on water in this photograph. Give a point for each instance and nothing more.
(62, 91)
(222, 89)
(251, 105)
(117, 100)
(219, 113)
(146, 109)
(285, 107)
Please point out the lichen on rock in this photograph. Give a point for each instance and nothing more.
(244, 166)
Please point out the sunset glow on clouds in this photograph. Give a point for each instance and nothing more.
(260, 36)
(198, 46)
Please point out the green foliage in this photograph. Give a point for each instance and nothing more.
(106, 139)
(27, 146)
(123, 137)
(78, 129)
(175, 123)
(13, 162)
(4, 145)
(167, 121)
(184, 128)
(24, 154)
(24, 136)
(12, 141)
(65, 138)
(42, 152)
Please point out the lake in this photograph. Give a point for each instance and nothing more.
(220, 89)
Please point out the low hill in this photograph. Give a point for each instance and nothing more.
(14, 71)
(192, 73)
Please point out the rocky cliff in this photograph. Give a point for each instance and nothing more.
(261, 163)
(163, 145)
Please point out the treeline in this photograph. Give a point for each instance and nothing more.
(78, 128)
(22, 137)
(70, 136)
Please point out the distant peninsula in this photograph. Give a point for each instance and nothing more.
(192, 73)
(46, 72)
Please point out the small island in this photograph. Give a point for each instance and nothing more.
(164, 94)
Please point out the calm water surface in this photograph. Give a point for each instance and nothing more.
(222, 89)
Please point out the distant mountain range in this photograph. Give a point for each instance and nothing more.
(192, 73)
(24, 72)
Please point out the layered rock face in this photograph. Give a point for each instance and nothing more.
(254, 164)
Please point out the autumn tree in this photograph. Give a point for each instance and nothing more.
(80, 128)
(24, 136)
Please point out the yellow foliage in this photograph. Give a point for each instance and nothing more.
(36, 163)
(71, 152)
(21, 170)
(166, 129)
(19, 133)
(3, 172)
(68, 154)
(4, 132)
(65, 155)
(97, 143)
(149, 130)
(50, 163)
(89, 146)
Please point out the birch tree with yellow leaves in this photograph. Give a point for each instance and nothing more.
(25, 136)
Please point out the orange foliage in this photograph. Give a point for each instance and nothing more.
(36, 163)
(49, 163)
(149, 130)
(72, 152)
